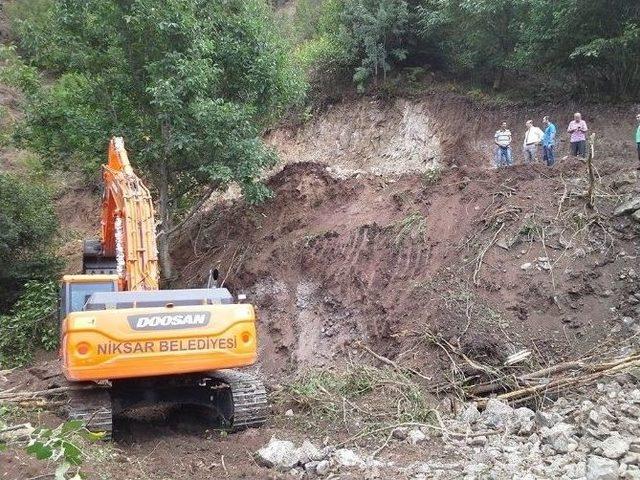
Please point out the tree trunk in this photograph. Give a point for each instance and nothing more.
(163, 238)
(498, 78)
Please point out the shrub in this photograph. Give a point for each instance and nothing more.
(27, 228)
(31, 324)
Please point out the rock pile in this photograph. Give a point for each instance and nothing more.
(593, 436)
(309, 460)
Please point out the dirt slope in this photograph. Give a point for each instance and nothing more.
(391, 260)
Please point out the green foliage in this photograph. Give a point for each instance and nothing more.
(413, 226)
(350, 393)
(374, 32)
(365, 37)
(27, 228)
(432, 175)
(31, 324)
(594, 44)
(478, 38)
(16, 73)
(190, 84)
(548, 46)
(61, 446)
(60, 443)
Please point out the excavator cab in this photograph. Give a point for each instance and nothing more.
(76, 290)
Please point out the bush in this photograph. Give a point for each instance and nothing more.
(27, 228)
(375, 32)
(363, 37)
(31, 324)
(16, 73)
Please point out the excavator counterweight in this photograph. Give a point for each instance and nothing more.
(136, 345)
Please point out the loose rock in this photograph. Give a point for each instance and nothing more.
(280, 454)
(628, 206)
(323, 468)
(470, 415)
(497, 414)
(416, 436)
(600, 468)
(348, 458)
(614, 447)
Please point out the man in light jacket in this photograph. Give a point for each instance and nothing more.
(532, 138)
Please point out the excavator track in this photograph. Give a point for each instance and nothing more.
(93, 407)
(248, 400)
(237, 400)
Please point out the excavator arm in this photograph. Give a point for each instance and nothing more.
(127, 245)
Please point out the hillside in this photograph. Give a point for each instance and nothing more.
(387, 224)
(393, 257)
(421, 314)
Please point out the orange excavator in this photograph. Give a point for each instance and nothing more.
(129, 344)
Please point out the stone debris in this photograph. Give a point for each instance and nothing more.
(416, 436)
(614, 447)
(401, 433)
(347, 458)
(279, 454)
(592, 435)
(496, 414)
(17, 433)
(629, 206)
(599, 468)
(470, 415)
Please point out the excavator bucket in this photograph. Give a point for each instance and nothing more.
(94, 262)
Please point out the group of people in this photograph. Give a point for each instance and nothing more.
(534, 137)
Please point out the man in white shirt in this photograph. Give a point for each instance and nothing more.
(502, 140)
(532, 138)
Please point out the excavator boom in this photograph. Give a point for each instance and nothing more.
(127, 245)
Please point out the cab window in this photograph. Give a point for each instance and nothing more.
(80, 293)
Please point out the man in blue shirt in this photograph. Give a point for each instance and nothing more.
(548, 141)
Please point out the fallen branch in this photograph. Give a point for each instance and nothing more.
(601, 370)
(483, 253)
(394, 364)
(592, 180)
(24, 395)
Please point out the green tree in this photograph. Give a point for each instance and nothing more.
(190, 84)
(374, 32)
(31, 324)
(479, 37)
(594, 44)
(27, 228)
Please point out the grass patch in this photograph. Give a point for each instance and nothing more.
(432, 175)
(361, 396)
(412, 227)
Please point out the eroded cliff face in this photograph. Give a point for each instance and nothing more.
(365, 136)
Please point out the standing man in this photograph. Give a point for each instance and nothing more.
(638, 138)
(578, 136)
(532, 138)
(549, 141)
(502, 139)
